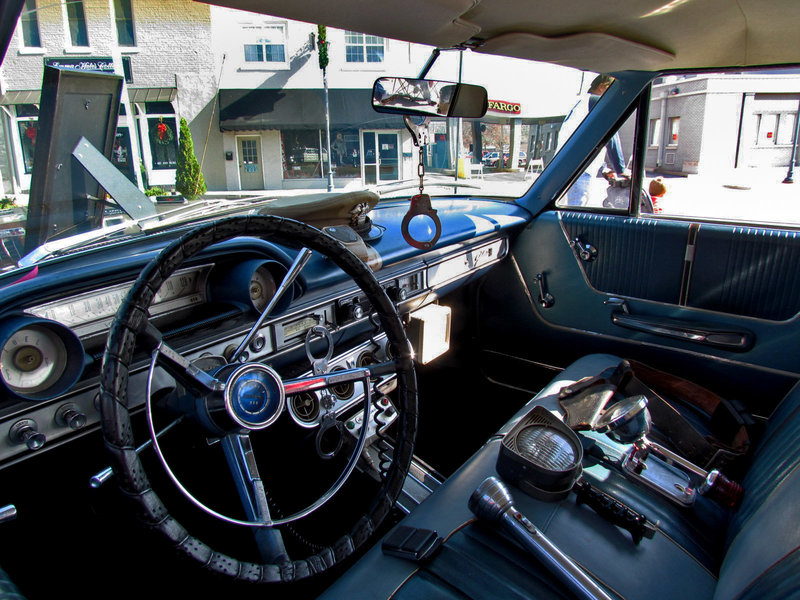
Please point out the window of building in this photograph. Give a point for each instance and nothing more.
(266, 44)
(123, 13)
(163, 134)
(674, 126)
(29, 22)
(654, 133)
(345, 153)
(303, 156)
(775, 129)
(76, 20)
(360, 47)
(786, 127)
(28, 128)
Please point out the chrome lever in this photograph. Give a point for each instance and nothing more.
(586, 252)
(8, 513)
(546, 299)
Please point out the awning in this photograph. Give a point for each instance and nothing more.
(21, 97)
(152, 94)
(246, 110)
(135, 95)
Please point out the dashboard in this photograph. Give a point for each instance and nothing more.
(54, 324)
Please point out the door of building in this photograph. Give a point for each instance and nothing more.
(251, 175)
(381, 152)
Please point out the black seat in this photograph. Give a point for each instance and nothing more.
(698, 552)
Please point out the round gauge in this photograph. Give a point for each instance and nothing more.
(32, 359)
(39, 359)
(262, 288)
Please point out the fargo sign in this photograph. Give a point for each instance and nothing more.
(504, 106)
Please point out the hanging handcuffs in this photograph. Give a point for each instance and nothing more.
(421, 203)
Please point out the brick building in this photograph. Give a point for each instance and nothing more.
(717, 122)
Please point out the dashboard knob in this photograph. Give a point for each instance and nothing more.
(69, 415)
(397, 293)
(351, 312)
(25, 431)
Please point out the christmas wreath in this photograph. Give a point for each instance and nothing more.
(164, 134)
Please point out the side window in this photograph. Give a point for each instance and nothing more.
(728, 146)
(605, 181)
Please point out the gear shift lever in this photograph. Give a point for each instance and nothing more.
(492, 502)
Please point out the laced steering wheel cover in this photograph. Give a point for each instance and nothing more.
(131, 319)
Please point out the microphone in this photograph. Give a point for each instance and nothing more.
(492, 502)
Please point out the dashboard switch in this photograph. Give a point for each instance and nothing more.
(69, 415)
(25, 431)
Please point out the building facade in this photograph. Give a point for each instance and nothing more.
(702, 124)
(126, 37)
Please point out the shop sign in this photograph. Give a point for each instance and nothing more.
(504, 106)
(103, 64)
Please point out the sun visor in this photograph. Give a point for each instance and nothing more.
(598, 52)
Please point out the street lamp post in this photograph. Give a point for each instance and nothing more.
(790, 173)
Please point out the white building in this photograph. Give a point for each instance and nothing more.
(126, 37)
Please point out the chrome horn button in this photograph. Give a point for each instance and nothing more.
(254, 396)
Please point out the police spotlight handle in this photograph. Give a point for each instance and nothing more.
(492, 502)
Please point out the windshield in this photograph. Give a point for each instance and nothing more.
(218, 107)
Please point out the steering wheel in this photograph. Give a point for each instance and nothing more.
(240, 398)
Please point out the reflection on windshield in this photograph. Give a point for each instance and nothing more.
(257, 116)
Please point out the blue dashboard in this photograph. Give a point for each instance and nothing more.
(60, 310)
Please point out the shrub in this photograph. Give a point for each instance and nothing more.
(189, 179)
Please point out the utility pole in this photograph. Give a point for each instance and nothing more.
(322, 48)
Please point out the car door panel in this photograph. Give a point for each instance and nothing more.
(747, 271)
(643, 263)
(626, 250)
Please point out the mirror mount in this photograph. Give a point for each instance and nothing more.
(418, 128)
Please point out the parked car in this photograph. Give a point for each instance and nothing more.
(499, 389)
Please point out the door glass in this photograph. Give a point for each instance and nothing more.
(370, 158)
(606, 180)
(388, 153)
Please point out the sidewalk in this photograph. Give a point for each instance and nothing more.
(750, 195)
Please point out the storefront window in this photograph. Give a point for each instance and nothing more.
(28, 126)
(302, 155)
(345, 156)
(121, 154)
(163, 142)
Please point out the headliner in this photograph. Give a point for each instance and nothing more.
(600, 36)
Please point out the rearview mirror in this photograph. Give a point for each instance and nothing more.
(405, 96)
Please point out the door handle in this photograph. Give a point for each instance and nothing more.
(738, 340)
